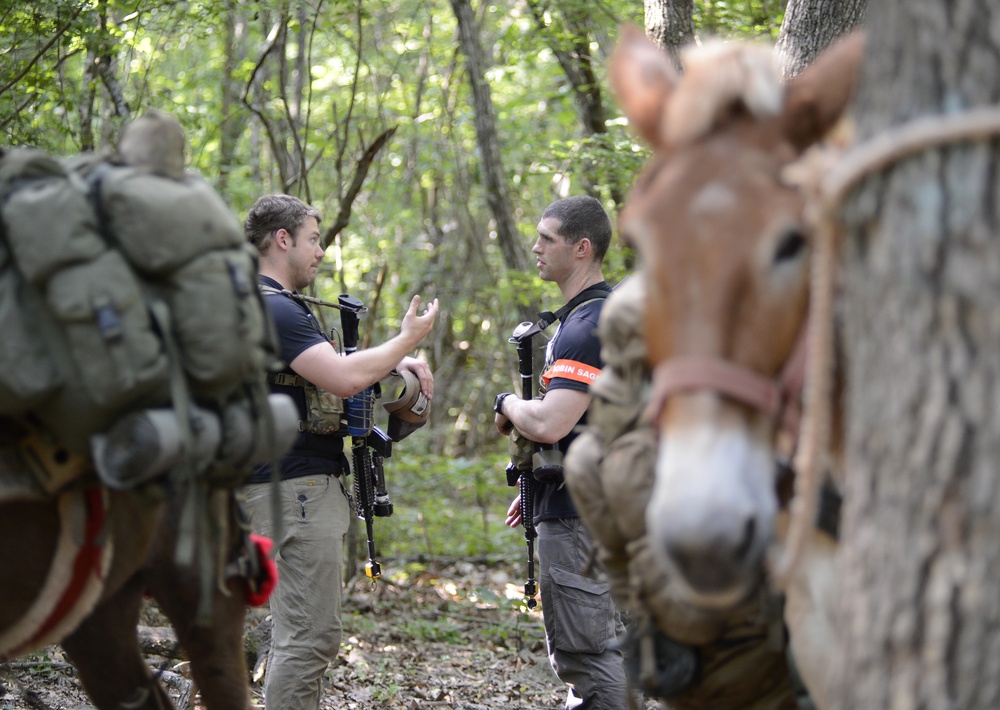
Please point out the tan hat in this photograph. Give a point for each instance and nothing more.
(411, 405)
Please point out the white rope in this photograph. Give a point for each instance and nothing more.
(857, 163)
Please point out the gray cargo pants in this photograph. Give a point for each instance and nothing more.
(583, 629)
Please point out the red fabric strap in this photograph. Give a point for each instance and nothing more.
(86, 563)
(258, 590)
(772, 397)
(571, 370)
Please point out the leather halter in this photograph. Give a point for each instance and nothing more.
(778, 398)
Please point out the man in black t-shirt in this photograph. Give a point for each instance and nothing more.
(583, 631)
(315, 514)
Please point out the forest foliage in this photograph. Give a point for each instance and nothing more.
(364, 110)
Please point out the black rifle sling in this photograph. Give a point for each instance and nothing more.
(547, 318)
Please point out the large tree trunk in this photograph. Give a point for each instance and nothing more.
(494, 178)
(670, 23)
(920, 563)
(811, 25)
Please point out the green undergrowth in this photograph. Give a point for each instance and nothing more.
(445, 508)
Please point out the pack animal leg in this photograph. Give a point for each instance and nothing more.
(105, 650)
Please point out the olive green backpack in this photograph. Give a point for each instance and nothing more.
(131, 327)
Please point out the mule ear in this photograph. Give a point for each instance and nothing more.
(642, 77)
(816, 98)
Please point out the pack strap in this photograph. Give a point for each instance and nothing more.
(593, 293)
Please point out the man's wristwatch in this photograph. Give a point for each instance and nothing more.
(498, 403)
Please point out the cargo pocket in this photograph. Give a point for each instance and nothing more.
(584, 613)
(162, 224)
(324, 411)
(49, 223)
(118, 355)
(35, 376)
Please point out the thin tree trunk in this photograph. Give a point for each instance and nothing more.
(920, 607)
(570, 42)
(494, 177)
(232, 127)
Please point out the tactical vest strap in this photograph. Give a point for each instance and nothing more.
(547, 318)
(296, 296)
(593, 293)
(286, 380)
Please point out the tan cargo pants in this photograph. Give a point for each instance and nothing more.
(305, 604)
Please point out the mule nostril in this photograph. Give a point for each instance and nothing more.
(686, 562)
(746, 542)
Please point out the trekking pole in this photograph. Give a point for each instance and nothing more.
(523, 334)
(369, 445)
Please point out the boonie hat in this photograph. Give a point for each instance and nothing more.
(409, 411)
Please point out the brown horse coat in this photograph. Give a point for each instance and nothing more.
(135, 544)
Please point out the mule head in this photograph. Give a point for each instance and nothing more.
(721, 235)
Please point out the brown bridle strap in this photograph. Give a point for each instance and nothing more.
(771, 396)
(689, 374)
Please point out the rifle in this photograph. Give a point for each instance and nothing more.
(546, 459)
(523, 477)
(369, 444)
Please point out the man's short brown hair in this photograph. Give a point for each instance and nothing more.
(273, 212)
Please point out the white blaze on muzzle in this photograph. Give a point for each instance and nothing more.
(713, 508)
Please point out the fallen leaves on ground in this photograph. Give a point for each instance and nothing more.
(428, 636)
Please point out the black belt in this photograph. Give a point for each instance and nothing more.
(336, 464)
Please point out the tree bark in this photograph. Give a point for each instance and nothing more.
(571, 46)
(920, 609)
(159, 641)
(494, 177)
(670, 23)
(570, 40)
(234, 52)
(811, 25)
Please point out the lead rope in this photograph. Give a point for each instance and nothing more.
(830, 191)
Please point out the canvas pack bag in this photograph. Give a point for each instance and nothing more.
(694, 657)
(128, 303)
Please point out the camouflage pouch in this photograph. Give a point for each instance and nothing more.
(324, 411)
(521, 450)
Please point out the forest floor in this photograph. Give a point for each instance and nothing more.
(452, 637)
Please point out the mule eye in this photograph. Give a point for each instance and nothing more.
(792, 243)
